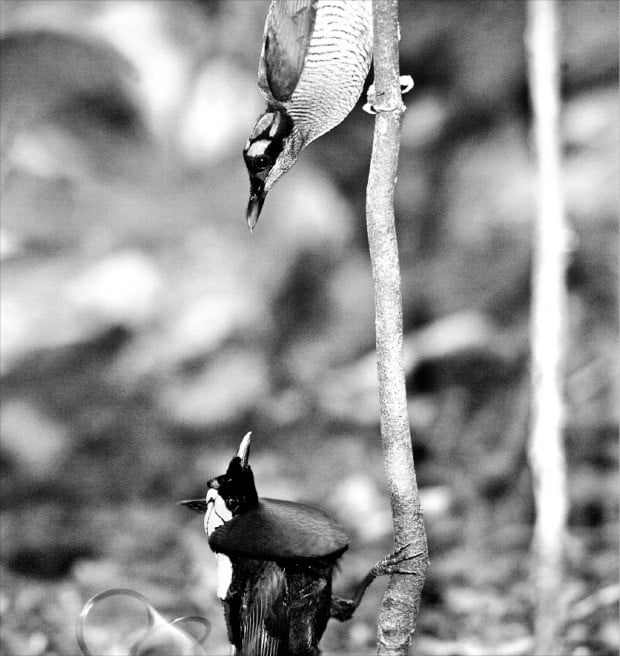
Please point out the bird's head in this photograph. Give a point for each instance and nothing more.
(270, 151)
(230, 494)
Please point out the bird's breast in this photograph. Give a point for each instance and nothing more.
(336, 66)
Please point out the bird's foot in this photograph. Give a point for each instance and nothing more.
(343, 609)
(371, 107)
(392, 564)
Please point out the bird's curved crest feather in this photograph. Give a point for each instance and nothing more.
(288, 31)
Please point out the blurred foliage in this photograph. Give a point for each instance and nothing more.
(144, 330)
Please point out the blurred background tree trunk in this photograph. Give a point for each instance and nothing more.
(401, 602)
(548, 327)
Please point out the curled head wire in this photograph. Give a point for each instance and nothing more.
(151, 616)
(89, 605)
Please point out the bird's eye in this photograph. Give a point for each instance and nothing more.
(232, 504)
(262, 162)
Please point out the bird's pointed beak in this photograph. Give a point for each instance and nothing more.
(244, 450)
(197, 505)
(255, 204)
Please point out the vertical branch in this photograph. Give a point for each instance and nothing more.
(401, 602)
(546, 449)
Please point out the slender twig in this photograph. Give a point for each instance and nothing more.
(548, 321)
(401, 602)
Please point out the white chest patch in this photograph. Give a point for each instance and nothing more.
(216, 515)
(224, 575)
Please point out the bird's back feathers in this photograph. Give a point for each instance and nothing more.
(281, 530)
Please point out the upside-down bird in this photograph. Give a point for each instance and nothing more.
(315, 58)
(275, 565)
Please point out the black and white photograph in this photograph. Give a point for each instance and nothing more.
(309, 327)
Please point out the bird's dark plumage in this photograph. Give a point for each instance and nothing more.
(276, 530)
(276, 561)
(288, 32)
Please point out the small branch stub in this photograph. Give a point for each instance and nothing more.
(372, 107)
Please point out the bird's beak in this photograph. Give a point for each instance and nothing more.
(197, 505)
(255, 204)
(244, 450)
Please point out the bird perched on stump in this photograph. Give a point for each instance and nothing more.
(315, 58)
(275, 565)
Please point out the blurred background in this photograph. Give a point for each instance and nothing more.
(144, 330)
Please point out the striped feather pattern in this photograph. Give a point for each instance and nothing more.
(336, 66)
(263, 616)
